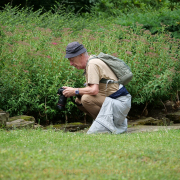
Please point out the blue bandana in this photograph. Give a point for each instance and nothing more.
(121, 92)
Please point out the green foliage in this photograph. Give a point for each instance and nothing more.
(105, 7)
(155, 21)
(114, 7)
(67, 5)
(33, 67)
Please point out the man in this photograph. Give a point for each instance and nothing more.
(95, 92)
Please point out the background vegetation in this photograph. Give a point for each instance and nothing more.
(112, 7)
(32, 47)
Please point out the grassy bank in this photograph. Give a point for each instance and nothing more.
(37, 154)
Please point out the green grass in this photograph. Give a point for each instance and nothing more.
(38, 154)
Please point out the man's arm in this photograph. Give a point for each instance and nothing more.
(91, 89)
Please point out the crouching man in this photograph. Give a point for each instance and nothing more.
(106, 102)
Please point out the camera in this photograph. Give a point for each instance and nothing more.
(62, 99)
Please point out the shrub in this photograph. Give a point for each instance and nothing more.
(32, 69)
(154, 21)
(114, 7)
(33, 66)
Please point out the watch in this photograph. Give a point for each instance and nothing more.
(77, 91)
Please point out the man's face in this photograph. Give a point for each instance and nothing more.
(77, 62)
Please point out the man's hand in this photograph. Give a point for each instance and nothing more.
(68, 91)
(91, 89)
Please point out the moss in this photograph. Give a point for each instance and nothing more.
(75, 123)
(58, 126)
(26, 118)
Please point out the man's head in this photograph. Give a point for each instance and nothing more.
(77, 55)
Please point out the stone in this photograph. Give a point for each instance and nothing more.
(169, 105)
(38, 126)
(4, 117)
(166, 121)
(146, 121)
(19, 123)
(22, 121)
(25, 117)
(71, 127)
(175, 117)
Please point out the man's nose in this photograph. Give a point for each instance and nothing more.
(71, 63)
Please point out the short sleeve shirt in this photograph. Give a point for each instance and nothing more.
(96, 69)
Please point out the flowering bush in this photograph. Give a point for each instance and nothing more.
(33, 67)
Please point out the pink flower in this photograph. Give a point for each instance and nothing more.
(54, 43)
(126, 40)
(137, 62)
(128, 52)
(115, 54)
(157, 76)
(49, 56)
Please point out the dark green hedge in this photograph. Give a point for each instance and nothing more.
(112, 7)
(70, 5)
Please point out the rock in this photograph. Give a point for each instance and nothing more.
(169, 105)
(19, 123)
(166, 121)
(25, 117)
(38, 126)
(146, 121)
(176, 106)
(175, 117)
(4, 117)
(71, 127)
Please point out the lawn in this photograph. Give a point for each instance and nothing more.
(48, 154)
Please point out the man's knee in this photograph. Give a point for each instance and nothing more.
(78, 100)
(86, 99)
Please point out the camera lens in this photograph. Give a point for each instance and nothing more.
(60, 107)
(62, 102)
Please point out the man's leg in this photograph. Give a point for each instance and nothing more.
(78, 101)
(91, 104)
